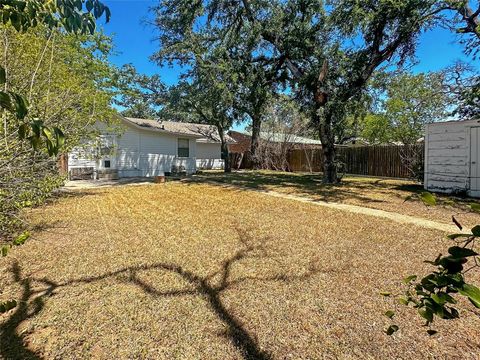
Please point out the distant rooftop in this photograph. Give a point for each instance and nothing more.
(282, 137)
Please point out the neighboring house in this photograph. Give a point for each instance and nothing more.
(452, 157)
(148, 148)
(243, 140)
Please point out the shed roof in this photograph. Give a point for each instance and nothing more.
(455, 121)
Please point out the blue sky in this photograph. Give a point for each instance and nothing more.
(135, 42)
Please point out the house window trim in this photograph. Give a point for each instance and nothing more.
(178, 148)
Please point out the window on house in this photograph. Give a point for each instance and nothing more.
(106, 164)
(183, 148)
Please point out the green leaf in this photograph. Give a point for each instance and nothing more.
(442, 298)
(3, 76)
(476, 230)
(390, 314)
(47, 133)
(472, 292)
(23, 130)
(5, 250)
(391, 329)
(21, 105)
(475, 207)
(15, 21)
(402, 301)
(108, 14)
(409, 279)
(385, 293)
(460, 252)
(20, 240)
(89, 5)
(5, 101)
(60, 137)
(427, 314)
(35, 141)
(428, 198)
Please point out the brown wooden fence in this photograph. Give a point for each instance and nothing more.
(382, 160)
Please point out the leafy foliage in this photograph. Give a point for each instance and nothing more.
(23, 15)
(28, 178)
(67, 91)
(307, 45)
(77, 16)
(435, 294)
(208, 97)
(140, 95)
(407, 104)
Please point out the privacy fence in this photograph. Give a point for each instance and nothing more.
(382, 160)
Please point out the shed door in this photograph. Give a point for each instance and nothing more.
(475, 159)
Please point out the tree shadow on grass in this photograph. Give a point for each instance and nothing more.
(306, 184)
(209, 287)
(11, 342)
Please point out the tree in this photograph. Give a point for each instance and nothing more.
(74, 16)
(23, 15)
(465, 21)
(255, 91)
(282, 122)
(310, 42)
(341, 71)
(208, 97)
(407, 103)
(140, 95)
(66, 81)
(412, 102)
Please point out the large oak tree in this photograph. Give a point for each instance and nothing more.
(326, 59)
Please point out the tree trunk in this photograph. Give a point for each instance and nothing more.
(328, 149)
(227, 166)
(256, 127)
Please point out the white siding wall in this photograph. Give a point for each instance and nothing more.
(447, 156)
(146, 153)
(209, 156)
(81, 157)
(140, 153)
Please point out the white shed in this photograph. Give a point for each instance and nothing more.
(452, 157)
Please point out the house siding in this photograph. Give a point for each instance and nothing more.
(209, 156)
(448, 163)
(81, 157)
(139, 153)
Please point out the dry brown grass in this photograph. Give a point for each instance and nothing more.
(192, 271)
(375, 193)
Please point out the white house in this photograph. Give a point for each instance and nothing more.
(146, 148)
(452, 157)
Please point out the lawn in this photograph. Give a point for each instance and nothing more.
(198, 271)
(377, 193)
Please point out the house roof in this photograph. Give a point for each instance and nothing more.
(204, 133)
(282, 137)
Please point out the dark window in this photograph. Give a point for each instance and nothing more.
(183, 148)
(106, 163)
